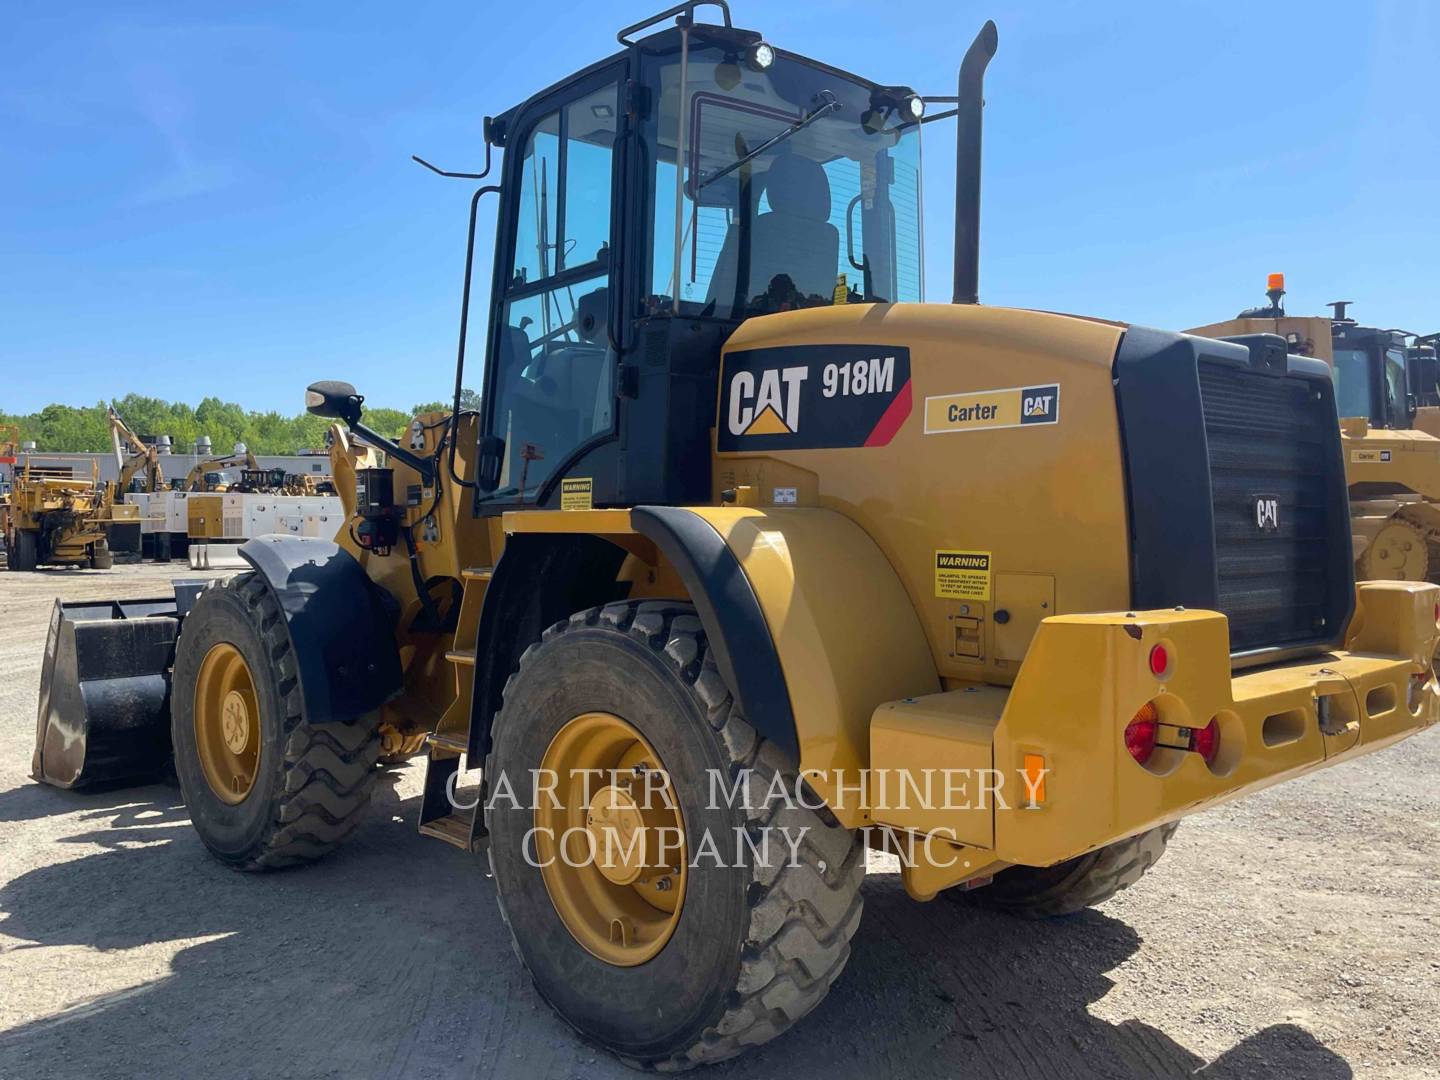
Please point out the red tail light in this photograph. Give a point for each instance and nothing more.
(1141, 732)
(1159, 660)
(1206, 741)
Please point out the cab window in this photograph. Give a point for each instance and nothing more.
(1352, 383)
(789, 188)
(553, 384)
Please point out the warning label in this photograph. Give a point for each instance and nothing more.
(962, 575)
(1369, 455)
(575, 493)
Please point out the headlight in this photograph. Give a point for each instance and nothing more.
(761, 56)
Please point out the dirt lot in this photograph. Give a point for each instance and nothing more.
(1289, 935)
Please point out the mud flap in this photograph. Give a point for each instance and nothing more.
(104, 711)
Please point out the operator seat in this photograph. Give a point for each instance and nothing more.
(793, 237)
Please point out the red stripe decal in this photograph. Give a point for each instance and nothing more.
(890, 421)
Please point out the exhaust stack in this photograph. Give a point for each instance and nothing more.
(971, 101)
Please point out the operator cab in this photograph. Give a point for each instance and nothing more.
(648, 206)
(1370, 371)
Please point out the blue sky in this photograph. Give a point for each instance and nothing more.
(218, 199)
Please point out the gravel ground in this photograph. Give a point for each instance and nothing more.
(1292, 934)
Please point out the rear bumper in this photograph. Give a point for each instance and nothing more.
(1275, 722)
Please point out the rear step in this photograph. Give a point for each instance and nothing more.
(455, 829)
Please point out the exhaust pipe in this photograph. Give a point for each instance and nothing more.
(971, 100)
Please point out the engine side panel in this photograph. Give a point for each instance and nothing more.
(979, 448)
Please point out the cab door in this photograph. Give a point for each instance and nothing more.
(550, 381)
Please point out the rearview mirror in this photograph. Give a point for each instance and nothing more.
(334, 401)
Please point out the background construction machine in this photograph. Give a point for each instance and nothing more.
(1386, 396)
(745, 543)
(55, 518)
(139, 472)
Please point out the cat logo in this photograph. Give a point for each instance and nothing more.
(1040, 405)
(1267, 513)
(769, 407)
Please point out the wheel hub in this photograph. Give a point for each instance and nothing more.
(235, 720)
(629, 839)
(1399, 552)
(613, 859)
(227, 724)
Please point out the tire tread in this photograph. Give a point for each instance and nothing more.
(802, 915)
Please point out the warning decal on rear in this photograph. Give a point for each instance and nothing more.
(813, 397)
(1369, 455)
(575, 493)
(962, 575)
(1015, 406)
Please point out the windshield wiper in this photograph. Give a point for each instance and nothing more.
(828, 103)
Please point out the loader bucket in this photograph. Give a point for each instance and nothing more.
(105, 690)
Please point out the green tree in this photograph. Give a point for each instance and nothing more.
(469, 402)
(86, 428)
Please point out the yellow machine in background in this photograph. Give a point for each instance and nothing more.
(752, 560)
(206, 475)
(1392, 466)
(139, 470)
(54, 519)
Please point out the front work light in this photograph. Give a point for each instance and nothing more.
(761, 56)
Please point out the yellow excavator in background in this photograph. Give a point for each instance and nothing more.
(198, 479)
(144, 460)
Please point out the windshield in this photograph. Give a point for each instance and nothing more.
(1352, 383)
(827, 212)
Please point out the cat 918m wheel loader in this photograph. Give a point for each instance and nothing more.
(752, 558)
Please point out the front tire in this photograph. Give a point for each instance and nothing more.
(266, 785)
(756, 942)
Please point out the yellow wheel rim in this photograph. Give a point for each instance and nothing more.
(227, 723)
(609, 839)
(1398, 553)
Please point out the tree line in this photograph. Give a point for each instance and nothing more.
(86, 429)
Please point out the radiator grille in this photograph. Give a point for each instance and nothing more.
(1270, 438)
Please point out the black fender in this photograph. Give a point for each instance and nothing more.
(738, 634)
(340, 626)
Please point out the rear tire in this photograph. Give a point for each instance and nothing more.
(758, 941)
(25, 553)
(1074, 885)
(311, 781)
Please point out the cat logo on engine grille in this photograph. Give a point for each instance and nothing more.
(1267, 513)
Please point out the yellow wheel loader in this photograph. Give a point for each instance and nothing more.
(1385, 390)
(752, 559)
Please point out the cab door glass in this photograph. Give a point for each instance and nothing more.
(1351, 373)
(553, 387)
(1395, 389)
